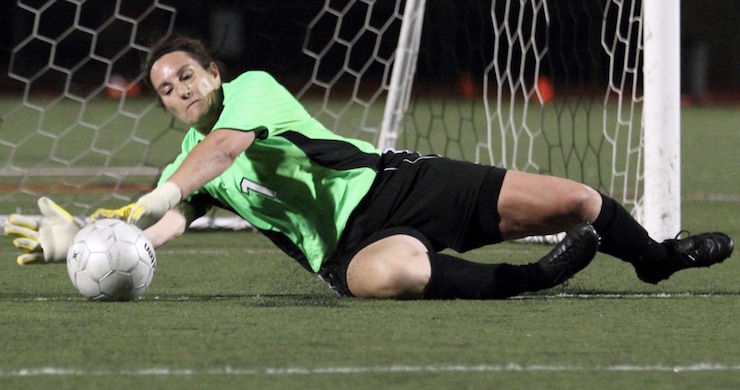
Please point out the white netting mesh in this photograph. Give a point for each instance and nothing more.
(550, 87)
(347, 92)
(544, 86)
(73, 126)
(534, 85)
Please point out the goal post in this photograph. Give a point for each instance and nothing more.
(402, 76)
(661, 209)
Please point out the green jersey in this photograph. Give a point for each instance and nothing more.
(298, 182)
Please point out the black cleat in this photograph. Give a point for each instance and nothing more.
(697, 251)
(571, 255)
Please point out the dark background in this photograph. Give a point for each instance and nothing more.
(270, 35)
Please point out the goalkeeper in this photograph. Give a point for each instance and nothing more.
(372, 224)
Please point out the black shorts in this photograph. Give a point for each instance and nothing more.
(442, 202)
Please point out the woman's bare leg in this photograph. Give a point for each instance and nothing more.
(531, 204)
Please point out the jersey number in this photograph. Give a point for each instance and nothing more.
(248, 185)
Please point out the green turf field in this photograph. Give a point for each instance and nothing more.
(227, 310)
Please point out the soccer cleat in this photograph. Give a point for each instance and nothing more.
(571, 255)
(697, 251)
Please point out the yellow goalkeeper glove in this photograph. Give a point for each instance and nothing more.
(121, 213)
(44, 241)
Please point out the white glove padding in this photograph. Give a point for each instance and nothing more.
(150, 208)
(44, 241)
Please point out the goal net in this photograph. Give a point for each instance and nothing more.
(553, 87)
(542, 86)
(70, 125)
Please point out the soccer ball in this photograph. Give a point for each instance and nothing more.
(111, 260)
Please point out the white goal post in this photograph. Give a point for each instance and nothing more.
(661, 205)
(586, 90)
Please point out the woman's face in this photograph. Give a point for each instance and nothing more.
(186, 89)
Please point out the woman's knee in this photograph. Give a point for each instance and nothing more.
(582, 203)
(394, 267)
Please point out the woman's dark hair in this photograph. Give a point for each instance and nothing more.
(196, 49)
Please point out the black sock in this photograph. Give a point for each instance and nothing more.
(455, 278)
(623, 237)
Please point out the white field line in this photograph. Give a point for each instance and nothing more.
(81, 171)
(561, 296)
(202, 223)
(212, 251)
(348, 370)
